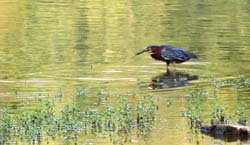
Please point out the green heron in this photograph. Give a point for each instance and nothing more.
(169, 54)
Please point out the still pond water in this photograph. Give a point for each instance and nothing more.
(53, 47)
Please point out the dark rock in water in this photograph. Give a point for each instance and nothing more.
(228, 133)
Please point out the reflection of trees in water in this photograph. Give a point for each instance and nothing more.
(172, 79)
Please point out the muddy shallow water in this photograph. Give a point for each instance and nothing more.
(50, 49)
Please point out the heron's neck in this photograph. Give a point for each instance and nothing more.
(156, 56)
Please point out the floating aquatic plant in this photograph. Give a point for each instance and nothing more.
(33, 125)
(195, 107)
(219, 116)
(241, 113)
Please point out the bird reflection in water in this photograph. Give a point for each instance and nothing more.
(172, 79)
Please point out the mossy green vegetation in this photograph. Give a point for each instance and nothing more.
(45, 122)
(195, 107)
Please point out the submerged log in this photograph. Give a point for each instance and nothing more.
(228, 133)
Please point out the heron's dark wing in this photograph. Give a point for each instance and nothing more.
(173, 54)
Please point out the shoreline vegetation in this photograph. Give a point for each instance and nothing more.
(40, 123)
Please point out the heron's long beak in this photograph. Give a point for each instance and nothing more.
(144, 50)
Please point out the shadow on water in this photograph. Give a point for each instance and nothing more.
(172, 79)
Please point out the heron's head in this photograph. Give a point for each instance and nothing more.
(148, 49)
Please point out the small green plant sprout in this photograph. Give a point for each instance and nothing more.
(215, 82)
(50, 121)
(5, 125)
(59, 93)
(216, 85)
(247, 82)
(102, 95)
(124, 116)
(218, 115)
(241, 114)
(70, 121)
(33, 127)
(109, 118)
(95, 121)
(48, 111)
(80, 92)
(240, 84)
(194, 108)
(146, 115)
(169, 101)
(194, 112)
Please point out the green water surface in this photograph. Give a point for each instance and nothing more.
(48, 48)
